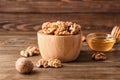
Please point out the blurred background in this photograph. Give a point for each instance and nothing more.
(28, 15)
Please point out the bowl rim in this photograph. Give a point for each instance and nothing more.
(40, 33)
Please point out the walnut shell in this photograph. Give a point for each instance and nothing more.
(24, 65)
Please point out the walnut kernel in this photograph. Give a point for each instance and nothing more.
(54, 63)
(30, 51)
(83, 38)
(99, 56)
(23, 53)
(42, 63)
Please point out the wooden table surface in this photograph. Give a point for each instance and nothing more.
(22, 16)
(84, 68)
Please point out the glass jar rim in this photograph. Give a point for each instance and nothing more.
(105, 35)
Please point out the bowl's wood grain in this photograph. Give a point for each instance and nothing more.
(65, 48)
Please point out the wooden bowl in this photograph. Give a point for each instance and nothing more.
(65, 48)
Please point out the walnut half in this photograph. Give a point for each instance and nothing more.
(99, 56)
(42, 63)
(55, 63)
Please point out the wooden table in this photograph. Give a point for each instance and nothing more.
(84, 68)
(28, 15)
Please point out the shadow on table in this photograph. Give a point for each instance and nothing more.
(34, 72)
(85, 56)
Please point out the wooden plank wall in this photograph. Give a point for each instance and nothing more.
(28, 15)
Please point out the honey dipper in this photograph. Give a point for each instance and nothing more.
(116, 32)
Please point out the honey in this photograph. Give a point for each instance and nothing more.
(101, 43)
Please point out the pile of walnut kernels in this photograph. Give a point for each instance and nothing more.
(60, 28)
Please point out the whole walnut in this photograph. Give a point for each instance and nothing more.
(24, 65)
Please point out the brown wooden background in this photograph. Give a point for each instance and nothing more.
(28, 15)
(20, 19)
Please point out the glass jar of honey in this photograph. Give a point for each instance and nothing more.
(100, 41)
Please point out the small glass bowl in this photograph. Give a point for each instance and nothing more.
(100, 41)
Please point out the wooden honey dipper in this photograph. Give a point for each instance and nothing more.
(116, 33)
